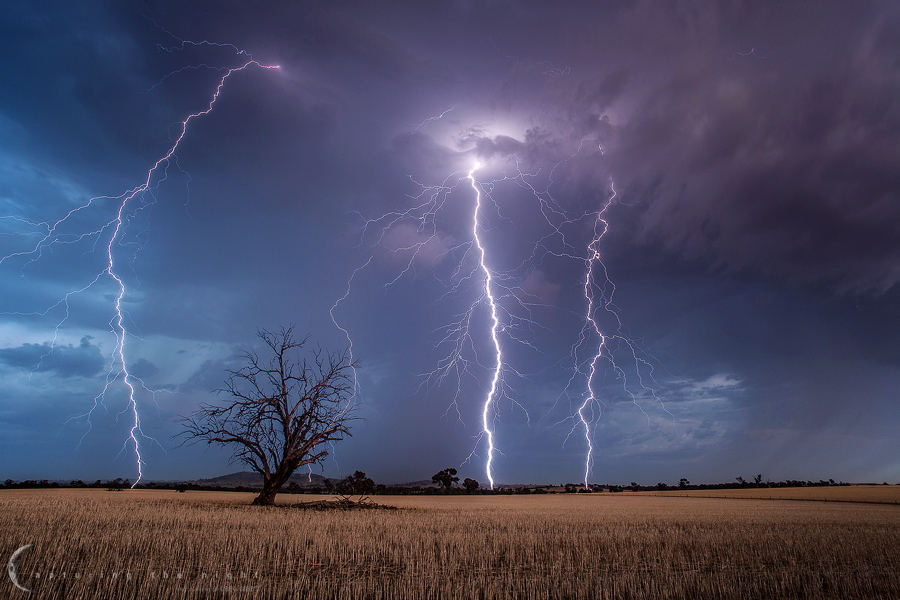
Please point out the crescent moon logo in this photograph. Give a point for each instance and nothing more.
(12, 567)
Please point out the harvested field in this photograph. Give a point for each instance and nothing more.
(162, 544)
(877, 494)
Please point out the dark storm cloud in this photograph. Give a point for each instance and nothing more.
(143, 368)
(84, 360)
(501, 145)
(91, 71)
(783, 161)
(208, 378)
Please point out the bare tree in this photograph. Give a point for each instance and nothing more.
(281, 412)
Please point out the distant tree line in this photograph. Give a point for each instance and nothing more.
(110, 484)
(739, 483)
(358, 484)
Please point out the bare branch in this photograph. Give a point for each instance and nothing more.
(281, 413)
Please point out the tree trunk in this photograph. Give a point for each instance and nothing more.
(266, 496)
(271, 487)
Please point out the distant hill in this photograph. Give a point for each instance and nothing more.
(424, 483)
(251, 479)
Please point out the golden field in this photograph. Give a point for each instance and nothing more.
(882, 494)
(162, 544)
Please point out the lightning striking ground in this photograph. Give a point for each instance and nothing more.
(591, 403)
(54, 235)
(428, 205)
(599, 292)
(486, 431)
(417, 238)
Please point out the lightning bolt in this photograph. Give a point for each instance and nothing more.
(601, 226)
(424, 214)
(603, 345)
(487, 432)
(53, 234)
(599, 292)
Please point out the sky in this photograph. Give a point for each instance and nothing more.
(686, 216)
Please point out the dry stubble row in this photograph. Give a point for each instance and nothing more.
(196, 545)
